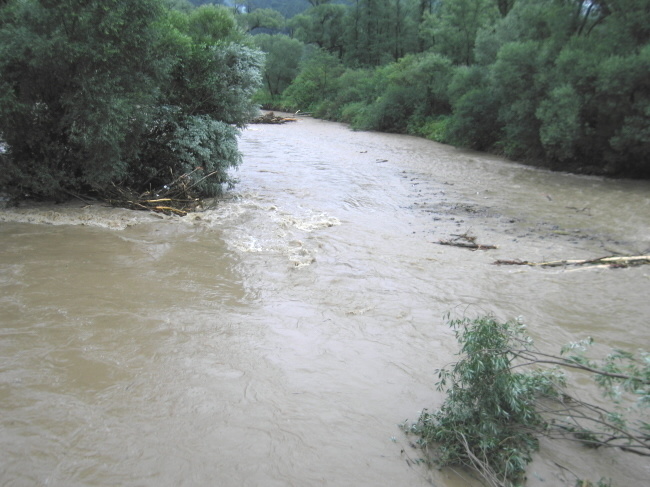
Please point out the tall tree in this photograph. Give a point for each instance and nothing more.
(261, 18)
(453, 27)
(323, 25)
(370, 32)
(283, 57)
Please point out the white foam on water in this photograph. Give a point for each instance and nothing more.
(249, 222)
(94, 215)
(253, 223)
(311, 222)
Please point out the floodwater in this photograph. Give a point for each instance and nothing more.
(279, 337)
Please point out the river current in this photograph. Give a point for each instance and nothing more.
(280, 335)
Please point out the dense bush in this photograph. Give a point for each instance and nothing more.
(355, 89)
(89, 87)
(76, 77)
(197, 146)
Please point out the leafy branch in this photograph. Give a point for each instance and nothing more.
(494, 413)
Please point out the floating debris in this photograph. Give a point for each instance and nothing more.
(610, 261)
(271, 117)
(466, 241)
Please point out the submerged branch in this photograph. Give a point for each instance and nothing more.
(466, 241)
(610, 261)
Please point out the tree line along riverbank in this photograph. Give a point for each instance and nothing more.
(560, 84)
(135, 95)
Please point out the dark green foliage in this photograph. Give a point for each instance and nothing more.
(315, 83)
(209, 24)
(89, 87)
(560, 126)
(391, 111)
(178, 145)
(217, 80)
(427, 75)
(264, 19)
(324, 26)
(518, 89)
(283, 57)
(436, 129)
(407, 94)
(474, 123)
(370, 33)
(561, 83)
(451, 29)
(623, 89)
(182, 5)
(355, 90)
(207, 95)
(76, 75)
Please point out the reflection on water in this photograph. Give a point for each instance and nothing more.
(279, 337)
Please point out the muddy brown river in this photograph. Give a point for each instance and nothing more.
(279, 337)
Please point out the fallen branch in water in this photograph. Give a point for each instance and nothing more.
(610, 261)
(466, 241)
(165, 209)
(465, 245)
(502, 396)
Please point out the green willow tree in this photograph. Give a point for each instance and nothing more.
(76, 78)
(120, 92)
(262, 18)
(316, 82)
(283, 57)
(503, 394)
(324, 26)
(452, 28)
(575, 94)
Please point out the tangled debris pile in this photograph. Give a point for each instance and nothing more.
(178, 197)
(271, 117)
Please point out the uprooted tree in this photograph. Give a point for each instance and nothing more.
(503, 394)
(98, 94)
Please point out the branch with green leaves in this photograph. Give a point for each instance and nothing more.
(503, 394)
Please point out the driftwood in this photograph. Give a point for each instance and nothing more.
(270, 117)
(610, 261)
(177, 197)
(467, 242)
(128, 199)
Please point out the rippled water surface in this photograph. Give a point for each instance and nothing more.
(279, 337)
